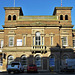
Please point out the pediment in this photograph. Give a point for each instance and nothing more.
(11, 32)
(38, 24)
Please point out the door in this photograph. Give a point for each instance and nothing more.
(30, 59)
(45, 64)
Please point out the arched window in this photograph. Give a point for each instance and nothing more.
(14, 17)
(61, 17)
(9, 17)
(65, 57)
(66, 17)
(52, 61)
(37, 39)
(23, 60)
(38, 60)
(10, 59)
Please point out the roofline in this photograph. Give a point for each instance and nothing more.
(61, 8)
(14, 8)
(1, 30)
(31, 25)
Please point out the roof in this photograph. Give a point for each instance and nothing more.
(73, 30)
(14, 8)
(1, 30)
(61, 8)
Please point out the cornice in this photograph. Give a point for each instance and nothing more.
(1, 30)
(35, 24)
(67, 26)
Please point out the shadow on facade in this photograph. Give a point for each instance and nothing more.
(61, 54)
(44, 62)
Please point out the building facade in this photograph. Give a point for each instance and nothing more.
(41, 40)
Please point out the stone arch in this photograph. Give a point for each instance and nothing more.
(23, 59)
(38, 54)
(65, 55)
(53, 55)
(10, 59)
(38, 60)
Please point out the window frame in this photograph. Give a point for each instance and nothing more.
(37, 39)
(51, 39)
(65, 41)
(24, 40)
(11, 41)
(37, 56)
(9, 17)
(61, 17)
(42, 40)
(73, 44)
(24, 60)
(14, 17)
(2, 44)
(66, 17)
(9, 59)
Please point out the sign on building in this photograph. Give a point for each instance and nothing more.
(19, 42)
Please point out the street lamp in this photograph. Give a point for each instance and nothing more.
(61, 51)
(62, 42)
(1, 61)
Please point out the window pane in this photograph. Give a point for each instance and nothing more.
(42, 41)
(73, 43)
(51, 40)
(33, 40)
(37, 39)
(64, 41)
(1, 43)
(38, 61)
(11, 41)
(24, 41)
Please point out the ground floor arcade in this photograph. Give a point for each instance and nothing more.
(44, 61)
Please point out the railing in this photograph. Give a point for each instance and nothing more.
(39, 47)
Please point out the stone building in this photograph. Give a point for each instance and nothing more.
(41, 40)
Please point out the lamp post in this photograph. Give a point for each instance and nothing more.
(61, 51)
(1, 62)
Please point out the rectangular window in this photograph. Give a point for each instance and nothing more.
(51, 40)
(33, 40)
(64, 41)
(24, 40)
(38, 42)
(11, 41)
(74, 43)
(42, 41)
(19, 42)
(1, 61)
(1, 43)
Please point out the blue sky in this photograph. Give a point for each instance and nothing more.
(36, 7)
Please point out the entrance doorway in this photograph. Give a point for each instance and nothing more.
(45, 64)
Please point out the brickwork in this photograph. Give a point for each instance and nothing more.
(48, 26)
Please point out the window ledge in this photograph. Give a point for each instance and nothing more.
(73, 47)
(65, 45)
